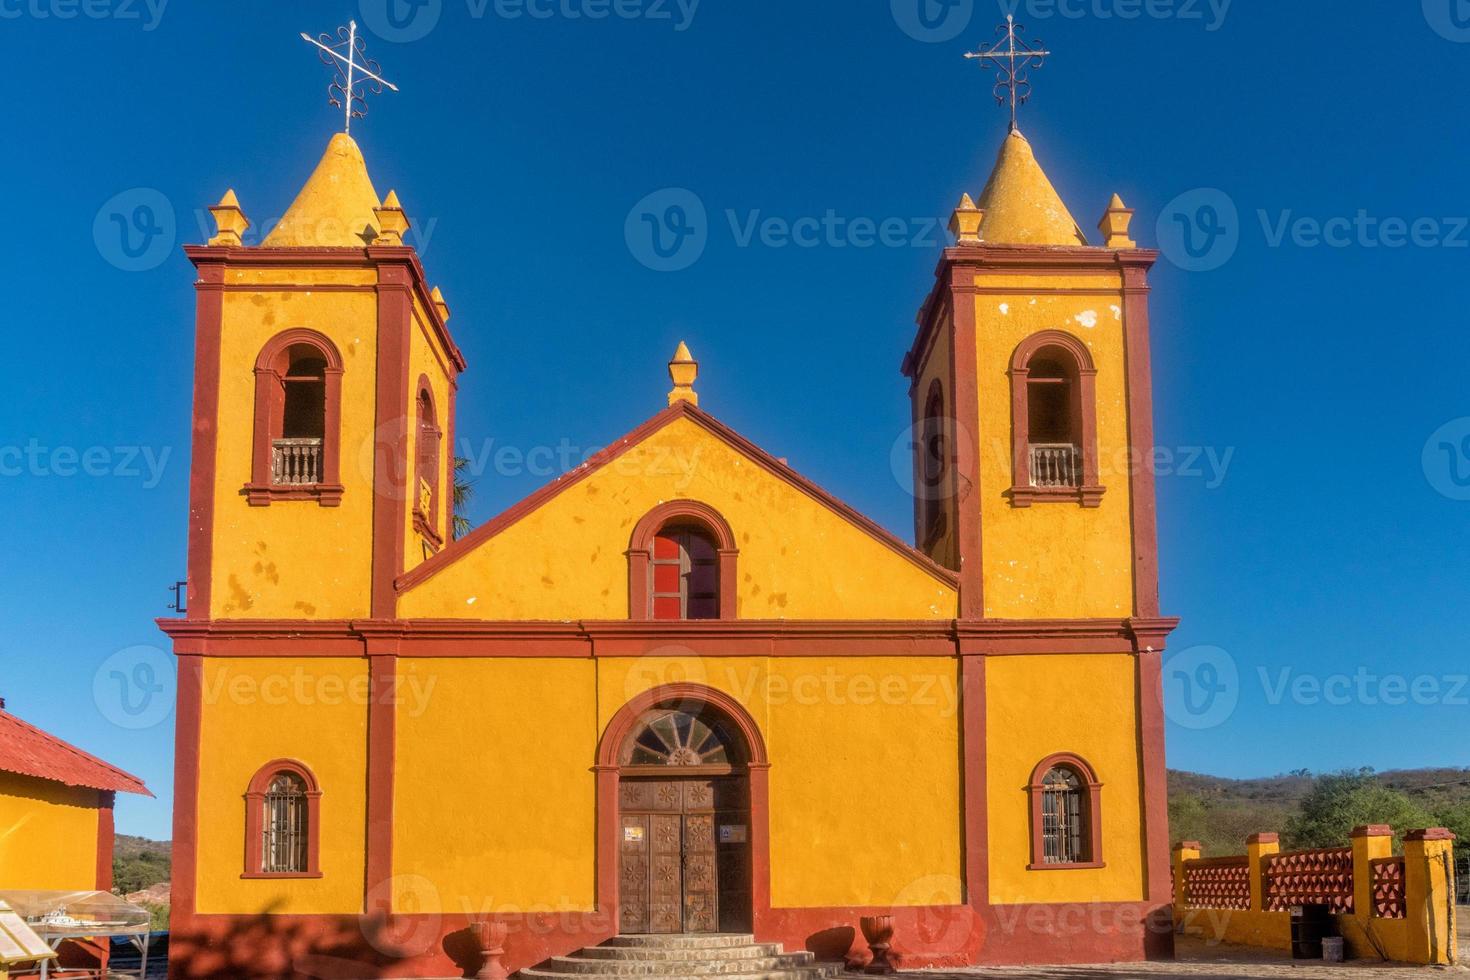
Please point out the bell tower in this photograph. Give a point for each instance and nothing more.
(323, 406)
(1031, 398)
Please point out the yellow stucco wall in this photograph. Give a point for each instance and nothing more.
(1053, 559)
(294, 559)
(48, 834)
(513, 742)
(1037, 706)
(259, 710)
(798, 559)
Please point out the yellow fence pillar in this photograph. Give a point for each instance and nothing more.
(1429, 868)
(1185, 850)
(1258, 847)
(1370, 843)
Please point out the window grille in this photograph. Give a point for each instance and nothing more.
(284, 843)
(1061, 814)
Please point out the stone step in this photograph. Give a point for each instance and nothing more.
(728, 957)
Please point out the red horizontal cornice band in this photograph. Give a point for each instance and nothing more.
(1017, 259)
(620, 638)
(343, 258)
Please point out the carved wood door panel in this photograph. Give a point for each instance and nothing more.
(669, 865)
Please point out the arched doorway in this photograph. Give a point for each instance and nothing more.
(677, 765)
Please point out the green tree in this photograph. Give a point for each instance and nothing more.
(1340, 801)
(1456, 817)
(464, 489)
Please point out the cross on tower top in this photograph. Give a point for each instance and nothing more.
(348, 58)
(1013, 57)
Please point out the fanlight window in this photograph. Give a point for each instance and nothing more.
(679, 738)
(285, 825)
(1062, 832)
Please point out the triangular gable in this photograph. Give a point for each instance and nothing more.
(600, 461)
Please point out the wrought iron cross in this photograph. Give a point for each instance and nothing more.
(1013, 57)
(348, 58)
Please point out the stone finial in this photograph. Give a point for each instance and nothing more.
(1114, 225)
(229, 221)
(965, 224)
(392, 222)
(437, 295)
(683, 369)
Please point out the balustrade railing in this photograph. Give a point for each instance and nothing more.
(1055, 465)
(296, 462)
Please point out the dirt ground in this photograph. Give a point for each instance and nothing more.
(1197, 959)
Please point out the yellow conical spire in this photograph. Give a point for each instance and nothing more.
(336, 205)
(1021, 206)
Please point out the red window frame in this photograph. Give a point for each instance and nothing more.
(427, 464)
(678, 514)
(255, 820)
(270, 403)
(1091, 791)
(1084, 421)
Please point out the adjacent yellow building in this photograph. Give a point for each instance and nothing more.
(681, 689)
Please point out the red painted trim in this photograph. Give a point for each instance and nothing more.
(208, 320)
(392, 469)
(973, 780)
(1433, 833)
(428, 463)
(1084, 409)
(106, 838)
(640, 554)
(255, 820)
(381, 768)
(1154, 773)
(188, 718)
(710, 638)
(1092, 818)
(1143, 501)
(684, 410)
(269, 403)
(609, 773)
(1276, 838)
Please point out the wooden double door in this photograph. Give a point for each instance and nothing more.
(684, 855)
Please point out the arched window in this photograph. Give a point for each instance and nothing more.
(426, 467)
(682, 738)
(1066, 827)
(681, 564)
(298, 390)
(933, 468)
(282, 822)
(1054, 422)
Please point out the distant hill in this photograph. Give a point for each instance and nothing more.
(139, 863)
(1220, 813)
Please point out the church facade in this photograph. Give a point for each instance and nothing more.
(681, 689)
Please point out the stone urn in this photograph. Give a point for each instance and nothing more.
(490, 936)
(878, 931)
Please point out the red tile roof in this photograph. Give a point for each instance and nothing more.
(27, 750)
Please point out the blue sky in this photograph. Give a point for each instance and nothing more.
(1316, 382)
